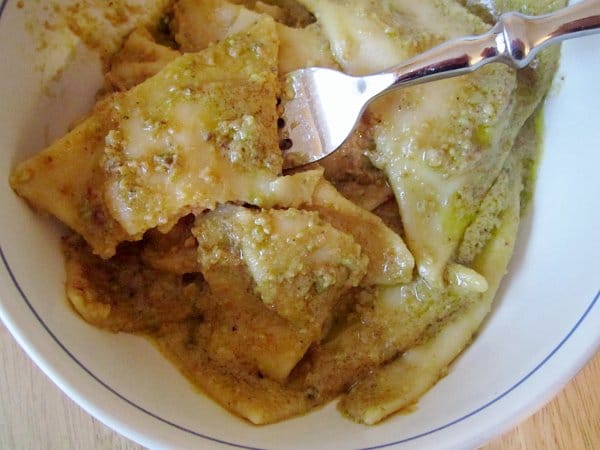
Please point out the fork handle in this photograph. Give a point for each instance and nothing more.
(514, 40)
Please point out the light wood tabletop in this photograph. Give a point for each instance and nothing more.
(35, 414)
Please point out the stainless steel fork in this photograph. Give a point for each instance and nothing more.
(326, 104)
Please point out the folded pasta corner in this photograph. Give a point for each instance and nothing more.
(295, 264)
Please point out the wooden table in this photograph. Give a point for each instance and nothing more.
(36, 414)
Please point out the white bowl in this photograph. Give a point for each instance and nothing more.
(545, 325)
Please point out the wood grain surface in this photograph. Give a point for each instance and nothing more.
(35, 414)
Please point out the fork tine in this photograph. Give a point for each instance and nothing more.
(320, 109)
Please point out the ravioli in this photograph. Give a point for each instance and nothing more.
(292, 261)
(140, 58)
(399, 384)
(300, 47)
(441, 144)
(165, 148)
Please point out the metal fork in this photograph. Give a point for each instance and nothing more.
(325, 104)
